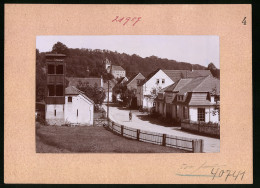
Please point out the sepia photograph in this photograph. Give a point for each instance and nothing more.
(127, 94)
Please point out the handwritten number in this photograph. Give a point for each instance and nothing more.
(115, 19)
(126, 20)
(244, 21)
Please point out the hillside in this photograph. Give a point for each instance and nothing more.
(78, 61)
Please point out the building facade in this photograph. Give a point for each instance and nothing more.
(193, 99)
(55, 91)
(148, 89)
(78, 108)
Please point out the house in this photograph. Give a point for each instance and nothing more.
(117, 71)
(195, 99)
(148, 88)
(133, 82)
(78, 108)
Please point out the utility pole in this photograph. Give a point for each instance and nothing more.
(108, 102)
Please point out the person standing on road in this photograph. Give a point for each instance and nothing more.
(130, 116)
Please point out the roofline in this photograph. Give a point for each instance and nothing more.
(134, 78)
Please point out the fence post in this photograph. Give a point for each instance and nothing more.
(122, 130)
(138, 134)
(198, 146)
(112, 126)
(164, 140)
(193, 146)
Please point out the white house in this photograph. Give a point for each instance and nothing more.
(78, 108)
(148, 88)
(117, 71)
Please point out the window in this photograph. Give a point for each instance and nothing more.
(54, 112)
(51, 91)
(59, 90)
(201, 114)
(59, 69)
(77, 112)
(69, 99)
(157, 81)
(51, 69)
(163, 81)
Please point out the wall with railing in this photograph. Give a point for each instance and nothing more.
(193, 145)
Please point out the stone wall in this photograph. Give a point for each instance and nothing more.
(204, 129)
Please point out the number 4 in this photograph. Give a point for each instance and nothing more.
(244, 21)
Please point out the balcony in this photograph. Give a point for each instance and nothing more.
(55, 100)
(55, 78)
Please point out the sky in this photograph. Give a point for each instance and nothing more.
(194, 49)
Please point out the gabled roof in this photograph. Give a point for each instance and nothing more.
(175, 75)
(178, 85)
(73, 81)
(71, 90)
(149, 76)
(191, 85)
(198, 73)
(202, 84)
(117, 68)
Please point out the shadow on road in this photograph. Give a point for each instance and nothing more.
(156, 121)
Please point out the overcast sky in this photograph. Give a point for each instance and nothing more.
(201, 49)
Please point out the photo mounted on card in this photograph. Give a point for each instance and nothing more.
(129, 94)
(112, 93)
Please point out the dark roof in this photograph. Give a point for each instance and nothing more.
(175, 75)
(116, 67)
(191, 85)
(198, 73)
(71, 90)
(178, 85)
(149, 76)
(131, 79)
(73, 81)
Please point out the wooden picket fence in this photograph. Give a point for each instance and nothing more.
(193, 145)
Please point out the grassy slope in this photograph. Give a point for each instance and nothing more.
(54, 139)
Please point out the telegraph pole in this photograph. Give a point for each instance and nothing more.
(108, 102)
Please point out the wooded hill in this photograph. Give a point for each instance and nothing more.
(78, 61)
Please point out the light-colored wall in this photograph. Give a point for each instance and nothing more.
(50, 114)
(110, 96)
(148, 87)
(85, 111)
(151, 83)
(193, 112)
(118, 74)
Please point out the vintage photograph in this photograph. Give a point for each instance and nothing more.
(127, 94)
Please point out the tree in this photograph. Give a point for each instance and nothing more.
(60, 48)
(214, 71)
(95, 93)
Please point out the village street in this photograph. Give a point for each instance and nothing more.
(140, 120)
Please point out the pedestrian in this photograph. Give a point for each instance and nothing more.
(130, 116)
